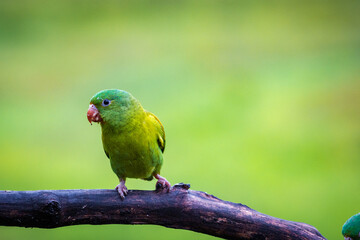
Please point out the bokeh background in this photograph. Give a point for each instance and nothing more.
(260, 102)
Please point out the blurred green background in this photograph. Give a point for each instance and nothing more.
(260, 102)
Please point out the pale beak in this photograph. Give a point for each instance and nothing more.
(93, 114)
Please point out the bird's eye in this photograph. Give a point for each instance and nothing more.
(105, 102)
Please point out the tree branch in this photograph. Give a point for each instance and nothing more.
(180, 208)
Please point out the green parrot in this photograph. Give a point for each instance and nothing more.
(133, 138)
(351, 228)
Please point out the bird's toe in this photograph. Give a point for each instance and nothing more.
(159, 186)
(122, 190)
(163, 184)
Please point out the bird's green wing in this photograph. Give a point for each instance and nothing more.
(159, 129)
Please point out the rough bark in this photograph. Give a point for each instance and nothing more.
(180, 208)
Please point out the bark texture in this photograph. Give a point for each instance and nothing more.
(180, 208)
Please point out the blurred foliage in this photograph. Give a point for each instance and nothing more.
(260, 102)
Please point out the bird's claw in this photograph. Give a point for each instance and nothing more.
(122, 190)
(162, 183)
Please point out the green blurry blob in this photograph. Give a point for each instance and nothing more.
(351, 228)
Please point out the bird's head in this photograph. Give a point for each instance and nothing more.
(112, 106)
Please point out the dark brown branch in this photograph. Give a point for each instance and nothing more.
(180, 208)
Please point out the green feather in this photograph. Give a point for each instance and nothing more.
(133, 139)
(351, 227)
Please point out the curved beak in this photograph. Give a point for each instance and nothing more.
(93, 114)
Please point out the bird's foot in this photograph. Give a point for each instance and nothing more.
(162, 183)
(122, 189)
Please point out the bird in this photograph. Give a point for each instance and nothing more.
(133, 138)
(351, 228)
